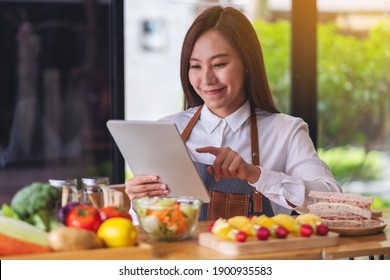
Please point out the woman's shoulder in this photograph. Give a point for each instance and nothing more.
(187, 114)
(279, 120)
(180, 119)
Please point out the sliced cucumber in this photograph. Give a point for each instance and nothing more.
(166, 202)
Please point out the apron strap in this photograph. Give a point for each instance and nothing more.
(187, 130)
(254, 139)
(255, 154)
(257, 196)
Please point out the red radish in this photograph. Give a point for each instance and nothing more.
(306, 230)
(263, 233)
(241, 236)
(322, 229)
(281, 232)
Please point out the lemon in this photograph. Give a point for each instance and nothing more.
(118, 232)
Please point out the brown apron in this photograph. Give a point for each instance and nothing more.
(231, 197)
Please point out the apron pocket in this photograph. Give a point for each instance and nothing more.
(227, 205)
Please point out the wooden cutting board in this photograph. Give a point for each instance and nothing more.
(253, 246)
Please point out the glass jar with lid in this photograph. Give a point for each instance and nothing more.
(67, 189)
(94, 189)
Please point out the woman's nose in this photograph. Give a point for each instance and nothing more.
(209, 77)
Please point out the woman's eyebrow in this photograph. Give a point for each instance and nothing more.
(219, 55)
(213, 57)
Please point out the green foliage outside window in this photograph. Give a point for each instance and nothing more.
(348, 163)
(353, 86)
(275, 42)
(353, 79)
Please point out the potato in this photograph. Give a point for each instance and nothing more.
(70, 239)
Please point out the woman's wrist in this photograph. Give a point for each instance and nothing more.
(254, 174)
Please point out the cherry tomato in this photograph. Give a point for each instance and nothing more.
(85, 217)
(112, 211)
(63, 211)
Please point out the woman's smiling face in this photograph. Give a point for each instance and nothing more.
(217, 74)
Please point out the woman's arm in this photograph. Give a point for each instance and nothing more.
(302, 172)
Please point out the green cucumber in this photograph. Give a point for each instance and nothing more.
(166, 202)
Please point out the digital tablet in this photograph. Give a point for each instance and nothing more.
(156, 148)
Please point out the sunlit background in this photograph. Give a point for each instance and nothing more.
(56, 77)
(353, 79)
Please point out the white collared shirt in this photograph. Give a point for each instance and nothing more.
(290, 167)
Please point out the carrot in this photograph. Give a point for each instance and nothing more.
(10, 246)
(181, 227)
(160, 214)
(171, 217)
(178, 219)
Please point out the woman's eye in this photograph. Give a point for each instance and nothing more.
(194, 66)
(219, 65)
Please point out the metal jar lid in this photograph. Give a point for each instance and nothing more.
(60, 183)
(95, 181)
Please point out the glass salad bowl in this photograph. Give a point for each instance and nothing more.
(169, 218)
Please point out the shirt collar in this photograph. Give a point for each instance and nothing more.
(235, 120)
(209, 120)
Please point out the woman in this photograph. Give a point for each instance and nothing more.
(240, 143)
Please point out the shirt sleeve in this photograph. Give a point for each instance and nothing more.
(303, 172)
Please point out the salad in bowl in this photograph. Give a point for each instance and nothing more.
(169, 218)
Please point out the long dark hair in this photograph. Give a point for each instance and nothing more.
(238, 30)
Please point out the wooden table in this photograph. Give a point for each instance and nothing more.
(348, 247)
(352, 247)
